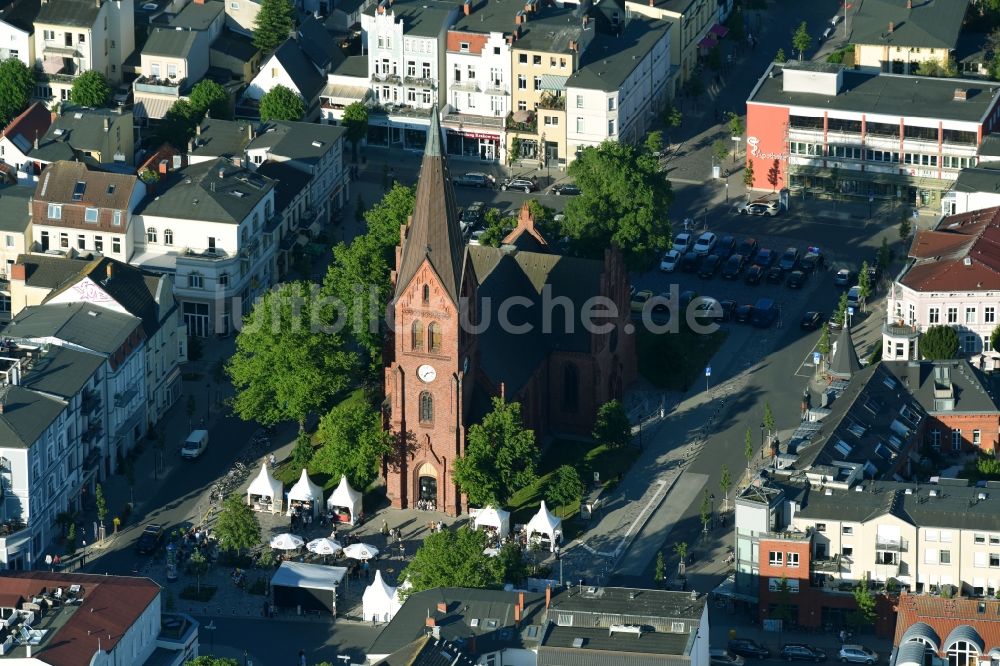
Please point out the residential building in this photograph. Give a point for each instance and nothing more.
(35, 276)
(17, 30)
(220, 138)
(54, 608)
(207, 17)
(346, 84)
(15, 238)
(406, 41)
(427, 651)
(295, 223)
(559, 374)
(75, 36)
(99, 137)
(940, 630)
(17, 141)
(619, 626)
(949, 279)
(974, 189)
(697, 29)
(241, 15)
(77, 211)
(318, 151)
(117, 416)
(901, 138)
(619, 88)
(898, 35)
(235, 53)
(341, 15)
(477, 76)
(172, 61)
(206, 228)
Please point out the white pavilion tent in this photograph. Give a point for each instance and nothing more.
(380, 601)
(545, 524)
(498, 519)
(345, 497)
(306, 491)
(264, 492)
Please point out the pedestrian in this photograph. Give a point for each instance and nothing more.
(843, 636)
(385, 528)
(374, 620)
(302, 658)
(271, 460)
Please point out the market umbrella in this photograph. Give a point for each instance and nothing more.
(287, 541)
(361, 551)
(522, 116)
(323, 546)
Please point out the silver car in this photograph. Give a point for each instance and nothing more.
(858, 654)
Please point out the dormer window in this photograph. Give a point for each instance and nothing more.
(55, 212)
(463, 47)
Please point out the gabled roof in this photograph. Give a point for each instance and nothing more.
(21, 14)
(170, 43)
(319, 48)
(526, 236)
(300, 69)
(45, 272)
(976, 620)
(76, 13)
(979, 179)
(15, 212)
(972, 392)
(84, 324)
(26, 415)
(610, 59)
(420, 18)
(221, 138)
(962, 253)
(61, 371)
(288, 181)
(198, 15)
(234, 45)
(32, 124)
(433, 232)
(76, 128)
(427, 651)
(305, 143)
(920, 23)
(59, 184)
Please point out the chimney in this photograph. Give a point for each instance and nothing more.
(517, 616)
(36, 139)
(107, 124)
(520, 600)
(527, 8)
(572, 42)
(909, 4)
(442, 607)
(18, 272)
(891, 26)
(430, 622)
(197, 129)
(548, 596)
(222, 172)
(110, 270)
(467, 7)
(518, 18)
(97, 3)
(163, 167)
(250, 132)
(961, 95)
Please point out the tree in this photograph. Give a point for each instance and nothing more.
(736, 127)
(904, 224)
(884, 256)
(864, 281)
(935, 67)
(654, 143)
(454, 558)
(748, 447)
(281, 103)
(802, 40)
(497, 228)
(355, 121)
(286, 365)
(823, 346)
(237, 529)
(565, 488)
(705, 511)
(612, 426)
(863, 597)
(501, 456)
(725, 483)
(841, 311)
(197, 565)
(768, 420)
(177, 125)
(102, 504)
(939, 343)
(90, 89)
(995, 338)
(274, 24)
(302, 452)
(720, 151)
(672, 116)
(660, 570)
(625, 203)
(352, 443)
(681, 550)
(783, 608)
(992, 49)
(780, 56)
(17, 83)
(209, 97)
(210, 660)
(748, 175)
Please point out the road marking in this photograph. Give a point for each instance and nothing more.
(807, 363)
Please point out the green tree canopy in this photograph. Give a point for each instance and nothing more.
(177, 126)
(237, 528)
(863, 597)
(841, 310)
(281, 103)
(995, 338)
(625, 202)
(612, 426)
(501, 456)
(17, 83)
(654, 142)
(865, 281)
(497, 226)
(90, 89)
(938, 343)
(748, 174)
(210, 660)
(273, 25)
(736, 127)
(454, 558)
(780, 56)
(565, 487)
(935, 67)
(209, 97)
(802, 40)
(720, 150)
(352, 442)
(288, 361)
(356, 123)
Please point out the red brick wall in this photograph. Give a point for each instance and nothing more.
(987, 424)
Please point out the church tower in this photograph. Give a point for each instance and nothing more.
(429, 356)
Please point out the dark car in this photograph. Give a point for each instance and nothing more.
(728, 309)
(812, 261)
(811, 320)
(790, 259)
(725, 247)
(754, 274)
(748, 248)
(743, 313)
(733, 267)
(801, 652)
(526, 185)
(796, 279)
(775, 275)
(565, 190)
(835, 323)
(748, 648)
(765, 312)
(709, 266)
(150, 539)
(689, 262)
(472, 216)
(474, 179)
(765, 257)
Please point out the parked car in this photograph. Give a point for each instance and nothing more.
(748, 248)
(705, 243)
(801, 652)
(810, 262)
(728, 309)
(150, 539)
(770, 209)
(775, 275)
(682, 242)
(754, 274)
(795, 280)
(725, 658)
(854, 299)
(668, 264)
(765, 257)
(746, 647)
(689, 262)
(726, 246)
(857, 654)
(765, 312)
(811, 320)
(790, 259)
(474, 179)
(195, 444)
(733, 267)
(473, 214)
(709, 266)
(565, 190)
(842, 278)
(743, 313)
(742, 208)
(639, 300)
(526, 185)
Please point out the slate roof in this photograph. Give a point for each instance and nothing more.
(973, 393)
(26, 415)
(493, 611)
(76, 128)
(234, 45)
(925, 23)
(45, 272)
(609, 60)
(103, 332)
(886, 94)
(428, 651)
(31, 124)
(170, 43)
(961, 254)
(487, 17)
(232, 198)
(198, 16)
(221, 138)
(103, 190)
(356, 66)
(990, 147)
(433, 232)
(552, 31)
(978, 179)
(76, 13)
(297, 141)
(300, 69)
(318, 47)
(288, 181)
(421, 18)
(845, 360)
(629, 601)
(649, 649)
(21, 14)
(15, 214)
(61, 371)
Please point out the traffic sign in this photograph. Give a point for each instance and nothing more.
(815, 358)
(708, 371)
(850, 311)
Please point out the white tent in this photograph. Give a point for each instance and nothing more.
(380, 601)
(305, 490)
(264, 493)
(498, 519)
(545, 524)
(345, 497)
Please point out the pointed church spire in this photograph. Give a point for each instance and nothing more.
(433, 231)
(845, 361)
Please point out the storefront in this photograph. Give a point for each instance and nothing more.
(475, 145)
(408, 133)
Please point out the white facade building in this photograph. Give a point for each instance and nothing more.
(17, 31)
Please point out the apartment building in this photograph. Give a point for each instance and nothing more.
(75, 36)
(346, 84)
(215, 138)
(17, 30)
(896, 36)
(901, 138)
(99, 137)
(945, 630)
(171, 63)
(620, 86)
(15, 238)
(17, 141)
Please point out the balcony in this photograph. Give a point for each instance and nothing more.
(899, 330)
(461, 120)
(386, 78)
(91, 434)
(155, 86)
(9, 528)
(401, 110)
(92, 460)
(91, 401)
(206, 254)
(529, 124)
(550, 101)
(420, 82)
(892, 545)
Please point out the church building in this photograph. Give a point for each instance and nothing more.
(472, 322)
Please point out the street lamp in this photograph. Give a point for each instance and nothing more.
(711, 511)
(761, 440)
(736, 147)
(725, 173)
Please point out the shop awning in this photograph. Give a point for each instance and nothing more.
(719, 30)
(344, 94)
(708, 42)
(553, 82)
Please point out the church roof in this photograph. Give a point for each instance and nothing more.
(433, 232)
(845, 361)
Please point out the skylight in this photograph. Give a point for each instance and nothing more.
(78, 190)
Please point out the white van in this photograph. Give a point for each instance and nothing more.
(195, 444)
